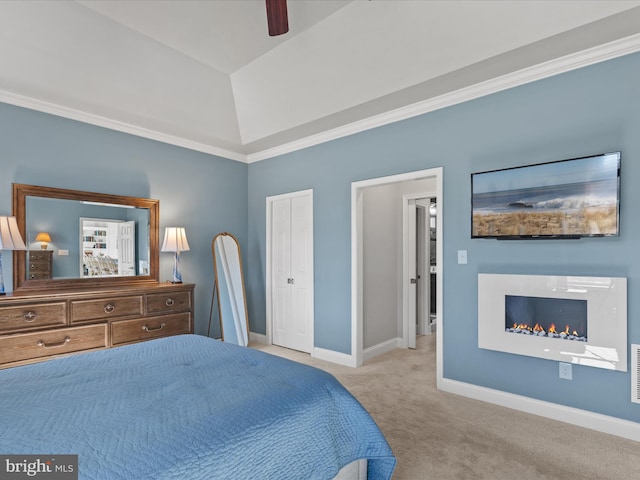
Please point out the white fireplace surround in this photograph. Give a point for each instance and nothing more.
(606, 345)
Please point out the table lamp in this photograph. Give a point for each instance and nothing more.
(10, 239)
(45, 238)
(175, 240)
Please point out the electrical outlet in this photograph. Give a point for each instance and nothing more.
(565, 371)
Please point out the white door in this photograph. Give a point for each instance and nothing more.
(413, 274)
(423, 257)
(422, 268)
(291, 250)
(126, 248)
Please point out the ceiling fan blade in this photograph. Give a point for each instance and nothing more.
(277, 17)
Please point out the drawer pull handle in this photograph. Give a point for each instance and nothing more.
(147, 329)
(33, 267)
(109, 308)
(170, 302)
(29, 317)
(53, 345)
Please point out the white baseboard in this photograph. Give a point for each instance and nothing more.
(384, 347)
(334, 357)
(257, 338)
(349, 360)
(574, 416)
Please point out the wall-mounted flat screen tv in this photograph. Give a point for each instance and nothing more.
(572, 198)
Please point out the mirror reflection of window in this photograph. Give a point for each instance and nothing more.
(107, 248)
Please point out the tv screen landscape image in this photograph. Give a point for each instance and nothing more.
(573, 198)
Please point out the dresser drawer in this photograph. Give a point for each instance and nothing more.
(32, 316)
(105, 308)
(26, 346)
(40, 256)
(126, 331)
(39, 275)
(35, 267)
(168, 302)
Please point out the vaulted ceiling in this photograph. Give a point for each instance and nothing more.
(206, 75)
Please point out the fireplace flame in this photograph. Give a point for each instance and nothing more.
(539, 331)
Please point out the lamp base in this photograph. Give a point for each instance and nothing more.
(176, 277)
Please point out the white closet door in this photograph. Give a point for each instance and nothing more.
(292, 272)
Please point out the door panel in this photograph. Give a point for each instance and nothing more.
(281, 264)
(126, 248)
(411, 305)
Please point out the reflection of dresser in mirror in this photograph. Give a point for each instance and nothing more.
(39, 264)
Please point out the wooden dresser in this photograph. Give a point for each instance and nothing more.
(39, 264)
(38, 326)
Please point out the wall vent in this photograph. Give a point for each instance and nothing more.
(635, 373)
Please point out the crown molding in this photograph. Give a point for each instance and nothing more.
(100, 121)
(601, 53)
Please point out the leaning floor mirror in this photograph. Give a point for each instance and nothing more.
(229, 284)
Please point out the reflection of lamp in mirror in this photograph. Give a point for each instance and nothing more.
(175, 240)
(10, 239)
(45, 238)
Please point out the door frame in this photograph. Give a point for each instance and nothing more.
(269, 287)
(357, 241)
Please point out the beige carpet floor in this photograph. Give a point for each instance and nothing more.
(441, 436)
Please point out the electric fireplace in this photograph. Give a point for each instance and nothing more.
(580, 320)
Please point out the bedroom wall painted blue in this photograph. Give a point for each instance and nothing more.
(587, 111)
(203, 193)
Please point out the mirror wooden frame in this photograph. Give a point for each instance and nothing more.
(20, 280)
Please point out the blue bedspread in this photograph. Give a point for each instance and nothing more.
(188, 407)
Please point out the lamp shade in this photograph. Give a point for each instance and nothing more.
(175, 240)
(10, 238)
(43, 237)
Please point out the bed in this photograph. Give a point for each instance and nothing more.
(188, 407)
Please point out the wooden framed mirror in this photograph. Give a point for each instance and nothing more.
(58, 212)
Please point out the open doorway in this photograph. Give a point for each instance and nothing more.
(420, 247)
(359, 279)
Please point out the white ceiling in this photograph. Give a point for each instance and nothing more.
(206, 75)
